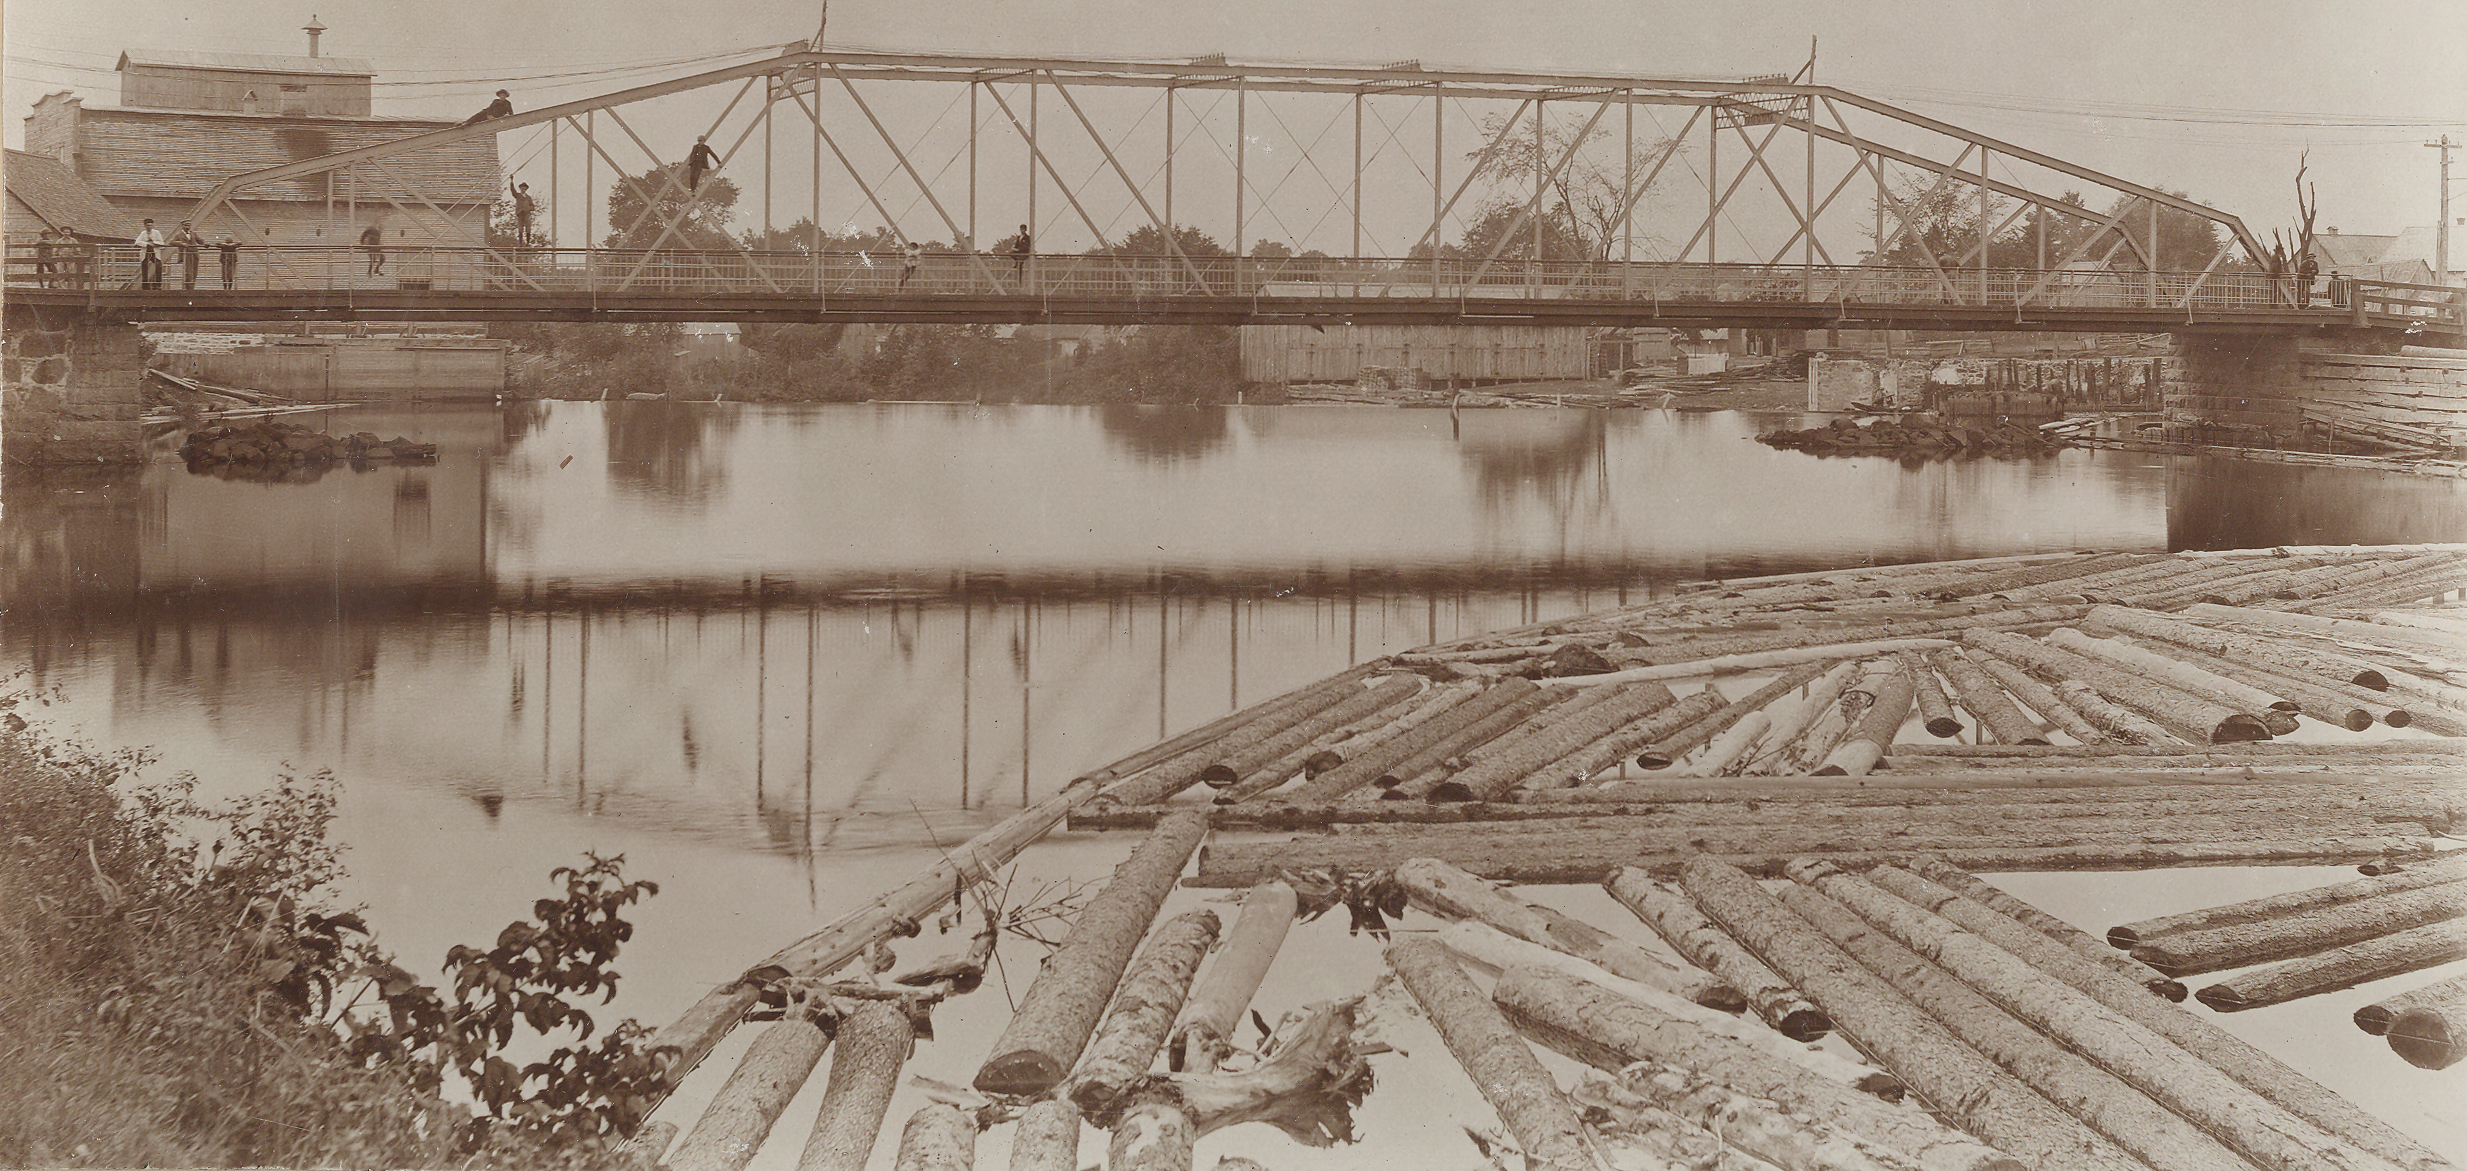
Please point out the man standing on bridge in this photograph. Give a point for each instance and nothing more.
(2306, 270)
(523, 207)
(702, 158)
(150, 245)
(192, 249)
(1020, 251)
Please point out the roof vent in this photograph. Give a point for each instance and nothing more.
(312, 28)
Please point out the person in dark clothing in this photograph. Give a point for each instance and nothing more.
(501, 108)
(230, 251)
(372, 240)
(1020, 251)
(42, 258)
(192, 249)
(523, 207)
(702, 158)
(2306, 270)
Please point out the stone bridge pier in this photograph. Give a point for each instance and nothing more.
(71, 388)
(2349, 379)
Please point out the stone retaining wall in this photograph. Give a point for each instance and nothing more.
(70, 389)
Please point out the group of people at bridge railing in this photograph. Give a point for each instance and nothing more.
(920, 273)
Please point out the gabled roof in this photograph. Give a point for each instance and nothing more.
(2337, 250)
(58, 198)
(183, 153)
(249, 62)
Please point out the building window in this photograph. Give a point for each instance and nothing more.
(295, 99)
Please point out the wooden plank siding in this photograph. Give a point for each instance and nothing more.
(1299, 353)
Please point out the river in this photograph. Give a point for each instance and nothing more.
(776, 654)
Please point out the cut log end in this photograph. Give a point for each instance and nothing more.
(2276, 722)
(2166, 988)
(1651, 759)
(1447, 791)
(1944, 727)
(1806, 1025)
(1218, 776)
(2123, 937)
(2426, 1039)
(2221, 998)
(2245, 726)
(1022, 1074)
(2375, 1019)
(1722, 998)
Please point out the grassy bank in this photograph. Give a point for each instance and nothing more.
(176, 989)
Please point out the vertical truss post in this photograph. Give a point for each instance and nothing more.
(1242, 153)
(1807, 249)
(590, 194)
(1170, 102)
(1035, 152)
(1713, 183)
(1439, 159)
(974, 122)
(1357, 173)
(770, 102)
(1627, 214)
(553, 240)
(2152, 265)
(1533, 259)
(1983, 228)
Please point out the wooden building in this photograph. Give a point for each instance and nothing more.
(1452, 353)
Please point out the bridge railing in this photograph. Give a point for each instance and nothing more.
(2440, 308)
(525, 271)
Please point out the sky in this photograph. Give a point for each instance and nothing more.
(2216, 99)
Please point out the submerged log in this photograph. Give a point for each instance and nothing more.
(1688, 932)
(938, 1137)
(1486, 948)
(874, 1041)
(2443, 870)
(1991, 898)
(1204, 1036)
(1053, 1021)
(1534, 757)
(1446, 890)
(2268, 1134)
(733, 1127)
(1661, 753)
(1047, 1137)
(1144, 1007)
(2185, 714)
(2375, 1018)
(2107, 1103)
(1510, 1077)
(1987, 702)
(2395, 954)
(2212, 949)
(1608, 1031)
(2193, 1033)
(1968, 1088)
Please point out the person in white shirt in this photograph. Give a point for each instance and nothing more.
(150, 244)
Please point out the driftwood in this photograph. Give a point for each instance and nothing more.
(739, 1118)
(874, 1040)
(1991, 899)
(2375, 1018)
(1488, 949)
(2270, 1135)
(1689, 933)
(1046, 1137)
(1987, 702)
(1542, 1120)
(2430, 1032)
(1144, 1007)
(1536, 757)
(2434, 872)
(2395, 954)
(1662, 752)
(2112, 1107)
(938, 1137)
(1446, 890)
(1307, 1089)
(2180, 712)
(1204, 1036)
(2212, 949)
(1972, 1091)
(1051, 1026)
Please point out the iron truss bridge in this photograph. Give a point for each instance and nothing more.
(1219, 192)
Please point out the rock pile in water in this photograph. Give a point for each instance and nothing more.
(1916, 435)
(275, 446)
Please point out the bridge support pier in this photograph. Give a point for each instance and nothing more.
(2351, 380)
(71, 389)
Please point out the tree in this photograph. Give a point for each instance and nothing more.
(1930, 218)
(1271, 250)
(1585, 201)
(635, 221)
(1504, 227)
(2185, 242)
(1146, 240)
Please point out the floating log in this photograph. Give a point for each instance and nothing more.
(2011, 583)
(739, 1118)
(1510, 1077)
(2443, 870)
(1536, 757)
(2186, 715)
(1053, 1021)
(1827, 726)
(2195, 1034)
(2424, 644)
(1721, 755)
(2262, 652)
(1858, 752)
(1793, 1142)
(1445, 711)
(1204, 1036)
(1046, 1137)
(1792, 716)
(1244, 863)
(2213, 949)
(2106, 1102)
(1169, 773)
(1519, 705)
(1144, 1007)
(2346, 705)
(2248, 750)
(2265, 1132)
(1669, 748)
(1693, 936)
(1448, 891)
(1760, 661)
(2040, 698)
(1153, 1135)
(1987, 702)
(1366, 737)
(2119, 722)
(1729, 645)
(1486, 948)
(938, 1137)
(2395, 954)
(1634, 1132)
(2375, 1018)
(1964, 1086)
(1989, 897)
(2277, 714)
(1935, 711)
(873, 1041)
(1344, 707)
(1607, 1031)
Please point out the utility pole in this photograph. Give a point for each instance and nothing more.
(2441, 231)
